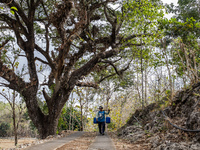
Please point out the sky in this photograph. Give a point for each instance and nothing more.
(169, 2)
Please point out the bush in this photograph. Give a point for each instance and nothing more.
(4, 127)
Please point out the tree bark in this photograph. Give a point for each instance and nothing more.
(14, 119)
(46, 124)
(145, 84)
(81, 127)
(142, 72)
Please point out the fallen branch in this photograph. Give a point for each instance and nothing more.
(186, 130)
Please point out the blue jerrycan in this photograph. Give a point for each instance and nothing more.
(107, 119)
(95, 120)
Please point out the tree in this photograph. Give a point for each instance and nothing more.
(71, 39)
(16, 109)
(182, 33)
(75, 118)
(16, 106)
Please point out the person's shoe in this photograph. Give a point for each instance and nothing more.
(102, 133)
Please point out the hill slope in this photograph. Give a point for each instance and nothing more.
(152, 125)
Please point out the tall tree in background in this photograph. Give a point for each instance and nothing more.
(71, 39)
(182, 32)
(16, 109)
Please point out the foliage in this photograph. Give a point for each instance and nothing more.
(64, 121)
(182, 33)
(4, 127)
(63, 43)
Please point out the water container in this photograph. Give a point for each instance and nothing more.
(95, 120)
(107, 119)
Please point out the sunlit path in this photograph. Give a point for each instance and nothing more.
(51, 145)
(102, 142)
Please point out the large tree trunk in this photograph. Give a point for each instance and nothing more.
(46, 124)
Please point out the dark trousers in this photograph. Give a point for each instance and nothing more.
(101, 127)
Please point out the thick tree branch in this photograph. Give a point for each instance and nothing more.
(44, 62)
(16, 83)
(23, 29)
(111, 63)
(102, 79)
(131, 44)
(6, 27)
(7, 2)
(38, 2)
(45, 11)
(47, 38)
(120, 73)
(19, 10)
(7, 19)
(108, 17)
(87, 84)
(47, 98)
(87, 68)
(9, 75)
(14, 25)
(3, 44)
(74, 59)
(46, 55)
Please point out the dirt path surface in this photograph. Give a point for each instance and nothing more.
(52, 145)
(122, 144)
(81, 143)
(102, 142)
(10, 143)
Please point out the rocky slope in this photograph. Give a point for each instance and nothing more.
(149, 126)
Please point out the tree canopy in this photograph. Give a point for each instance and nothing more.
(63, 42)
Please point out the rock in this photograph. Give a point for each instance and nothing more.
(172, 146)
(171, 136)
(197, 137)
(134, 137)
(195, 146)
(193, 121)
(131, 129)
(155, 141)
(148, 126)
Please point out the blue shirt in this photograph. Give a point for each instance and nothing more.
(101, 116)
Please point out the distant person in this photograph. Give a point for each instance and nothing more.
(100, 118)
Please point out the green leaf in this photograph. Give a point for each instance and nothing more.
(12, 12)
(14, 8)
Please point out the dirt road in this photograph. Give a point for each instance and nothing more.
(102, 142)
(77, 141)
(52, 145)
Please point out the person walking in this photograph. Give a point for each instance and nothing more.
(100, 118)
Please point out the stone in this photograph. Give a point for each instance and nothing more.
(155, 141)
(195, 146)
